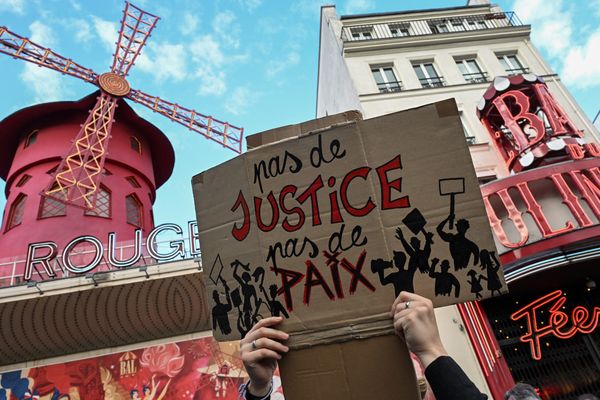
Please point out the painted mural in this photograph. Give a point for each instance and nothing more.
(195, 369)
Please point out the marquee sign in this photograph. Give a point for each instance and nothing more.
(556, 322)
(40, 255)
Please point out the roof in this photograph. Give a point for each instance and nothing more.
(384, 14)
(12, 127)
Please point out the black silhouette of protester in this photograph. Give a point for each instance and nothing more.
(475, 283)
(401, 279)
(461, 248)
(444, 280)
(250, 301)
(418, 258)
(491, 265)
(220, 311)
(277, 309)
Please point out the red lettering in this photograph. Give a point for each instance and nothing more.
(536, 212)
(571, 200)
(593, 149)
(369, 205)
(513, 214)
(559, 324)
(386, 193)
(314, 278)
(589, 188)
(311, 192)
(289, 279)
(290, 189)
(240, 233)
(512, 120)
(575, 151)
(356, 273)
(274, 212)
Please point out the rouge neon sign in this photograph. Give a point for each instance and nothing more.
(556, 322)
(41, 254)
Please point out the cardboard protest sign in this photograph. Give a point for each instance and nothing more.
(327, 228)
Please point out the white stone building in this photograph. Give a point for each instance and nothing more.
(385, 62)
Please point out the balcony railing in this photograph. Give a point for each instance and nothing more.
(435, 82)
(433, 26)
(478, 77)
(517, 71)
(389, 87)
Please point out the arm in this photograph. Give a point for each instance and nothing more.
(418, 326)
(434, 262)
(475, 251)
(260, 360)
(407, 247)
(440, 230)
(456, 284)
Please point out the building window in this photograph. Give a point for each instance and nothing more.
(457, 25)
(470, 70)
(439, 27)
(30, 139)
(399, 30)
(24, 179)
(133, 209)
(17, 210)
(52, 206)
(362, 33)
(511, 64)
(385, 79)
(428, 76)
(103, 202)
(133, 182)
(135, 144)
(475, 25)
(486, 179)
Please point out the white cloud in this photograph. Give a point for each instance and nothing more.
(212, 80)
(107, 31)
(581, 68)
(240, 100)
(164, 61)
(42, 34)
(207, 50)
(358, 6)
(83, 31)
(225, 28)
(189, 24)
(552, 23)
(15, 6)
(275, 67)
(250, 4)
(46, 84)
(308, 8)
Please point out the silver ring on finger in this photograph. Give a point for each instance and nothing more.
(254, 346)
(407, 305)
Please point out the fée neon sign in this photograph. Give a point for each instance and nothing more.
(557, 323)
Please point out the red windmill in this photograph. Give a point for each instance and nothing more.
(77, 178)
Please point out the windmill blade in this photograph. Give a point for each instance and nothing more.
(227, 135)
(136, 26)
(20, 47)
(77, 178)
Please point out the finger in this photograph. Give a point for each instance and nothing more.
(271, 321)
(412, 304)
(399, 329)
(260, 355)
(265, 343)
(408, 296)
(268, 333)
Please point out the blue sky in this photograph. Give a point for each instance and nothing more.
(250, 62)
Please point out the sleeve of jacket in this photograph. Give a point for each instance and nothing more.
(449, 382)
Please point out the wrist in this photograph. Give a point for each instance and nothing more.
(430, 355)
(258, 389)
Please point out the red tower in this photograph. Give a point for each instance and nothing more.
(35, 139)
